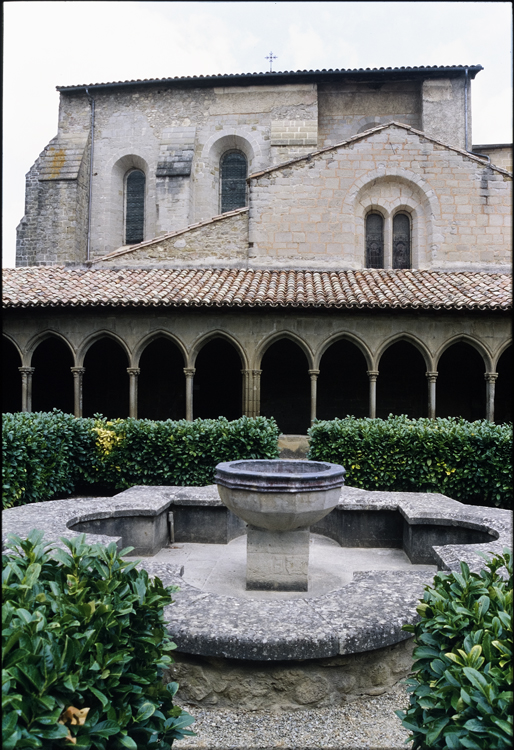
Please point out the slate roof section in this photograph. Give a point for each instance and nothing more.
(57, 286)
(61, 160)
(280, 75)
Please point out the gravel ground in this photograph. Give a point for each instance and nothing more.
(364, 724)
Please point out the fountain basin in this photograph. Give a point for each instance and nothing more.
(263, 654)
(279, 495)
(279, 500)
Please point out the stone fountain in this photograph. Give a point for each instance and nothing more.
(279, 500)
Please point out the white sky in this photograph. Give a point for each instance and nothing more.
(47, 44)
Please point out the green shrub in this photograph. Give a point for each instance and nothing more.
(141, 451)
(461, 691)
(84, 645)
(467, 461)
(46, 455)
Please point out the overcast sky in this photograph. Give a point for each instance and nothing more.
(49, 44)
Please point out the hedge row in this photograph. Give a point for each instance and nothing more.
(49, 454)
(467, 461)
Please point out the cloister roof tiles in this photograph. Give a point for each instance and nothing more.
(58, 286)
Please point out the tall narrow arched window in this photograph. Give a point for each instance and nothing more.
(374, 241)
(401, 241)
(134, 207)
(233, 171)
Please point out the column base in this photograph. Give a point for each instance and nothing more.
(277, 560)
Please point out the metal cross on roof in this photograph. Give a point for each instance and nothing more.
(271, 57)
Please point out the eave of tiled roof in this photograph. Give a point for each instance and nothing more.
(57, 286)
(279, 76)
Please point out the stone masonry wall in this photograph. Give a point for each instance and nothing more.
(221, 240)
(443, 111)
(305, 684)
(349, 108)
(500, 155)
(54, 228)
(177, 137)
(311, 213)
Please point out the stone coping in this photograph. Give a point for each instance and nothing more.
(364, 615)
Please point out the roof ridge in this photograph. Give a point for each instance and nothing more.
(365, 134)
(169, 235)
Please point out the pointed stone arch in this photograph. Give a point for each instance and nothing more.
(285, 381)
(402, 364)
(156, 334)
(410, 339)
(219, 381)
(36, 340)
(217, 333)
(347, 336)
(481, 348)
(342, 384)
(105, 359)
(52, 380)
(158, 363)
(100, 334)
(462, 363)
(276, 336)
(11, 376)
(503, 386)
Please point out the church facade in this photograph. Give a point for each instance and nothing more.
(300, 245)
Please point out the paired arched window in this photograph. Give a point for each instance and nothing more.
(134, 207)
(401, 243)
(233, 173)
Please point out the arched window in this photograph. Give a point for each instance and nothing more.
(374, 241)
(401, 241)
(134, 207)
(233, 169)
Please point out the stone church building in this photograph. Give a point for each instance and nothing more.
(301, 245)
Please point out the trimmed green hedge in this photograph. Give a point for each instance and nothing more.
(84, 649)
(461, 689)
(467, 461)
(49, 454)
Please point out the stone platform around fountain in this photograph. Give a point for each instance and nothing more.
(364, 615)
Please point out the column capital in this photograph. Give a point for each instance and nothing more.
(26, 370)
(189, 371)
(313, 373)
(491, 377)
(133, 370)
(372, 374)
(78, 370)
(432, 376)
(256, 373)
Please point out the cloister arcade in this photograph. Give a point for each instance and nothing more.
(284, 375)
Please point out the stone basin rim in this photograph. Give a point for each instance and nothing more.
(252, 475)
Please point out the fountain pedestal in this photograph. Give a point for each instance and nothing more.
(277, 560)
(279, 500)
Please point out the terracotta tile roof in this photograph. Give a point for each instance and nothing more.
(56, 286)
